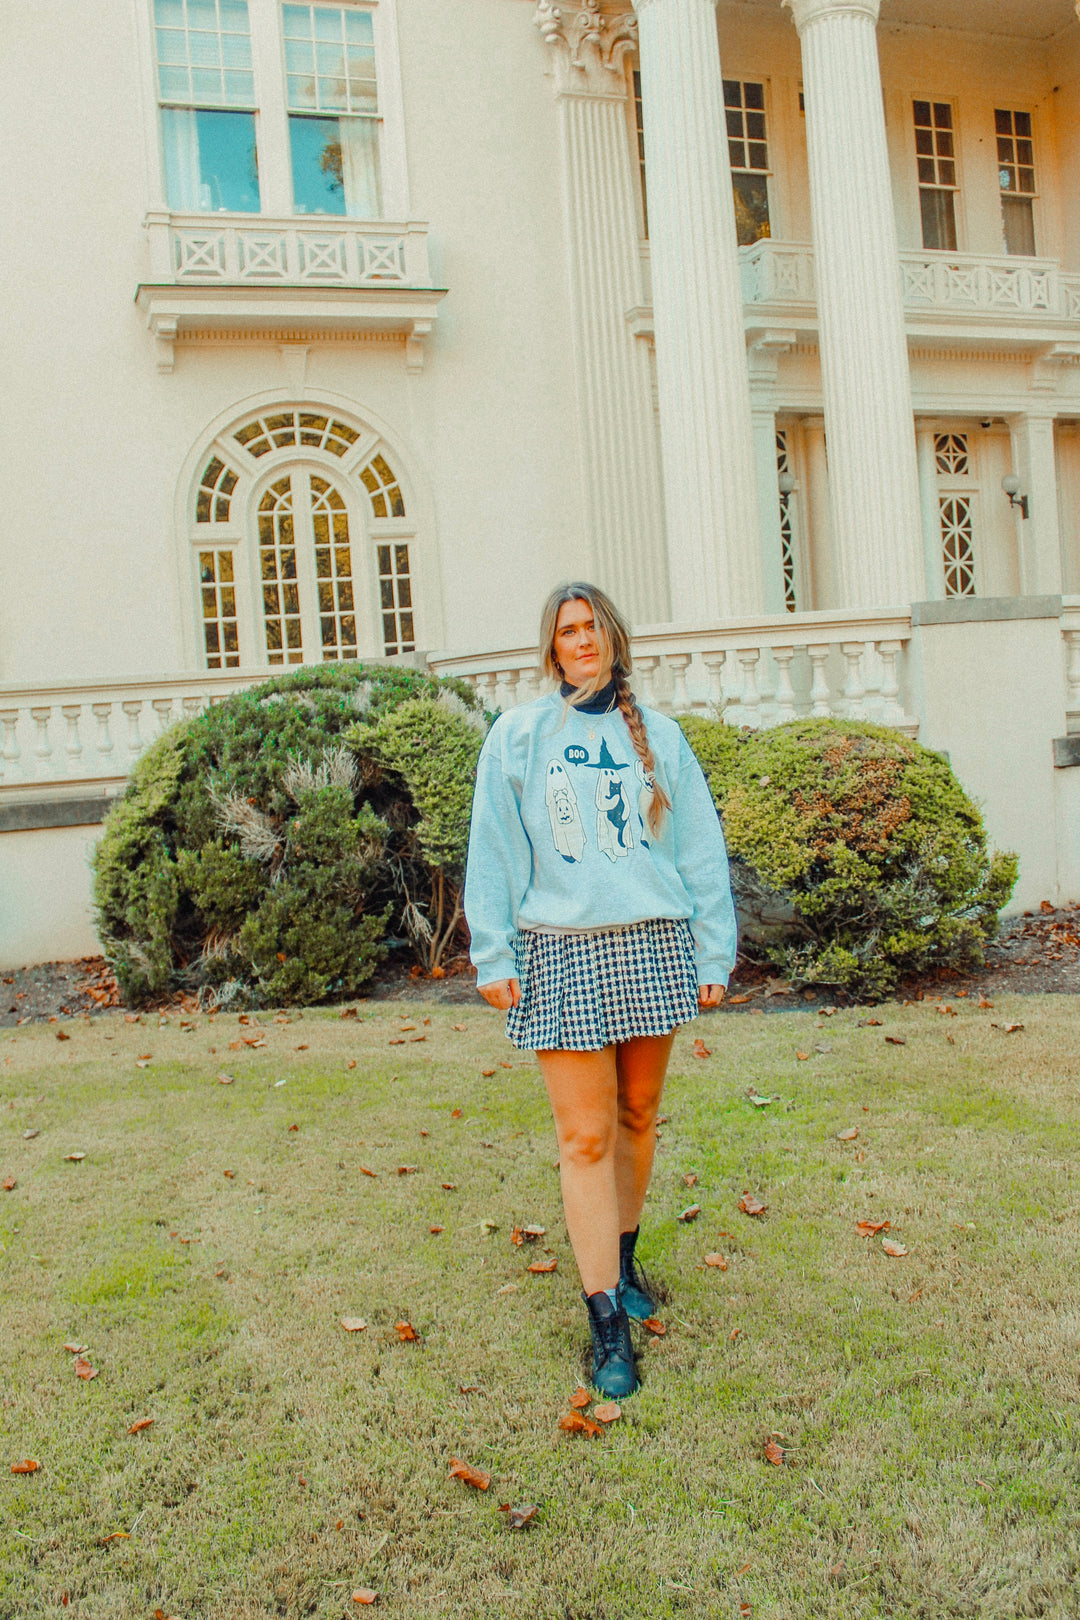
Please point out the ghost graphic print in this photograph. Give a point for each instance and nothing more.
(566, 825)
(644, 798)
(614, 835)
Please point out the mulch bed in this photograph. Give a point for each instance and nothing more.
(1035, 954)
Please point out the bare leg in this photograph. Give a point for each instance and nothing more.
(582, 1088)
(641, 1067)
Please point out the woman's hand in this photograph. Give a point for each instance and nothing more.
(501, 993)
(709, 995)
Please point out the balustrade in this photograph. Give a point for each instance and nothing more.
(287, 252)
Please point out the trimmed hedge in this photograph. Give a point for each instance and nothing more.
(265, 849)
(865, 838)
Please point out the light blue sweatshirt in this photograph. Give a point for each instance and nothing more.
(560, 836)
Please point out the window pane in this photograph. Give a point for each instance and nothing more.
(732, 93)
(335, 165)
(942, 115)
(922, 112)
(359, 28)
(924, 141)
(755, 96)
(1018, 219)
(946, 173)
(210, 160)
(938, 219)
(759, 155)
(194, 41)
(736, 154)
(755, 126)
(1022, 122)
(751, 193)
(1003, 121)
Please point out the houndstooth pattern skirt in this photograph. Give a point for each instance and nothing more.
(582, 992)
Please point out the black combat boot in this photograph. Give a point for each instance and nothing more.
(613, 1373)
(637, 1294)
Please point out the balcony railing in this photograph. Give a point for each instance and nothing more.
(256, 251)
(755, 672)
(951, 284)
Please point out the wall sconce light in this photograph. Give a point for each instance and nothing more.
(1011, 485)
(787, 482)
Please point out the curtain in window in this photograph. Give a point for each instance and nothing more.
(360, 167)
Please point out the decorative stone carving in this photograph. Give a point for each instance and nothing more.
(588, 45)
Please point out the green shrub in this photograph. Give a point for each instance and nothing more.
(868, 840)
(265, 849)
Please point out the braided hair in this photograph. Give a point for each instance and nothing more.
(614, 636)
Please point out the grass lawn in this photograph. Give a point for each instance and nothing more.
(208, 1245)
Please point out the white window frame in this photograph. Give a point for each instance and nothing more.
(271, 115)
(240, 534)
(958, 189)
(769, 174)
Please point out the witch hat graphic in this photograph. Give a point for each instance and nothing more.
(605, 762)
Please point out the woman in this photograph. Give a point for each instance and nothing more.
(598, 899)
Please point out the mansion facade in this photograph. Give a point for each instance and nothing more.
(349, 327)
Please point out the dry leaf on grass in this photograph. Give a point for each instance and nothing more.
(487, 1073)
(774, 1453)
(803, 1057)
(29, 1465)
(351, 1063)
(745, 1611)
(464, 1471)
(405, 1332)
(578, 1423)
(435, 1230)
(895, 1040)
(987, 1006)
(74, 1349)
(461, 1028)
(717, 1260)
(74, 1158)
(691, 1178)
(62, 1035)
(734, 1334)
(28, 1136)
(690, 1214)
(523, 1515)
(225, 1079)
(116, 1535)
(849, 1135)
(8, 1183)
(364, 1594)
(654, 1325)
(1007, 1029)
(455, 1113)
(897, 1250)
(751, 1205)
(364, 1171)
(353, 1324)
(407, 1169)
(580, 1399)
(448, 1186)
(83, 1369)
(607, 1411)
(868, 1023)
(701, 1050)
(544, 1265)
(872, 1228)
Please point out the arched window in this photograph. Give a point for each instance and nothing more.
(303, 543)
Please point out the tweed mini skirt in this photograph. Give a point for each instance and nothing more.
(582, 992)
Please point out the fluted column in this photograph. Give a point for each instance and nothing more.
(620, 456)
(710, 490)
(864, 361)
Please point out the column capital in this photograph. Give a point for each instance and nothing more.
(587, 45)
(805, 12)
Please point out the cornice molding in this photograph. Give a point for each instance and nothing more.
(807, 12)
(587, 46)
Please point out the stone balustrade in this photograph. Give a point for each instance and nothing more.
(756, 673)
(260, 251)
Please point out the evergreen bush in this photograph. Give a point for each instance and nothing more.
(269, 849)
(865, 839)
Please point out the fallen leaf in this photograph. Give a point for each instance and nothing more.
(8, 1183)
(75, 1349)
(849, 1135)
(734, 1334)
(757, 1099)
(663, 1119)
(364, 1171)
(74, 1158)
(717, 1260)
(895, 1040)
(690, 1214)
(29, 1465)
(523, 1515)
(447, 1186)
(737, 1001)
(351, 1063)
(468, 1389)
(364, 1594)
(469, 1475)
(400, 1041)
(1007, 1029)
(353, 1324)
(869, 1023)
(517, 1237)
(745, 1611)
(544, 1265)
(744, 1567)
(116, 1535)
(533, 1234)
(230, 1175)
(294, 1127)
(435, 1230)
(654, 1325)
(580, 1399)
(802, 1056)
(225, 1079)
(83, 1369)
(487, 1073)
(139, 1425)
(916, 1295)
(774, 1453)
(302, 1048)
(691, 1179)
(455, 1113)
(62, 1035)
(891, 1246)
(987, 1006)
(607, 1412)
(28, 1136)
(872, 1228)
(347, 1012)
(461, 1028)
(701, 1050)
(414, 1038)
(983, 1485)
(578, 1423)
(405, 1332)
(504, 1065)
(751, 1205)
(407, 1169)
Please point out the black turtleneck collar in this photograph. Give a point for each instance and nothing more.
(601, 702)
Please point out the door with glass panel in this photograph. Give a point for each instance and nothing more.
(306, 570)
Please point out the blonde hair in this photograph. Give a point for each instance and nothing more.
(614, 639)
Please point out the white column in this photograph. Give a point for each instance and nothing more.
(710, 481)
(929, 501)
(825, 590)
(1035, 462)
(864, 359)
(620, 454)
